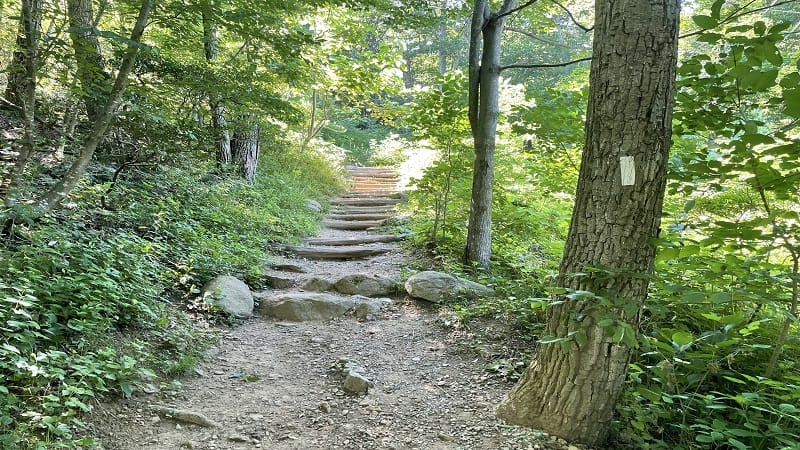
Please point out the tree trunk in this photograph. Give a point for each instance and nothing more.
(62, 188)
(245, 148)
(211, 48)
(91, 68)
(484, 112)
(23, 86)
(16, 72)
(572, 394)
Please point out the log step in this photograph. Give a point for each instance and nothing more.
(375, 201)
(340, 252)
(362, 194)
(362, 210)
(370, 239)
(356, 217)
(352, 225)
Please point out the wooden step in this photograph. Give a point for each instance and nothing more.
(357, 225)
(356, 217)
(338, 252)
(369, 239)
(361, 209)
(363, 194)
(374, 201)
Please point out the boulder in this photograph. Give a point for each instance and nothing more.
(313, 205)
(230, 294)
(356, 383)
(366, 285)
(305, 306)
(440, 287)
(317, 284)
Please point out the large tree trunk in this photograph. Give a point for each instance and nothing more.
(245, 148)
(91, 68)
(16, 72)
(62, 188)
(484, 110)
(572, 394)
(211, 48)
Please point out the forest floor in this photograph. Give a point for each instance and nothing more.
(273, 385)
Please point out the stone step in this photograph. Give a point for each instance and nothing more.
(338, 252)
(357, 217)
(374, 201)
(354, 241)
(353, 225)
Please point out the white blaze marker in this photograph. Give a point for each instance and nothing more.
(627, 170)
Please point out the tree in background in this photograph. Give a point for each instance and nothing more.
(571, 389)
(91, 71)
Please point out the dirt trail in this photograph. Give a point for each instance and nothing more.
(272, 385)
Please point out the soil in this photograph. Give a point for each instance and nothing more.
(273, 385)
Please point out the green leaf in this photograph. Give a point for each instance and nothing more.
(737, 443)
(682, 338)
(705, 22)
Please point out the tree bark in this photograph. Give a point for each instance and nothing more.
(90, 65)
(484, 110)
(23, 86)
(245, 148)
(218, 121)
(62, 188)
(17, 70)
(572, 394)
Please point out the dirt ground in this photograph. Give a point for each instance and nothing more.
(273, 385)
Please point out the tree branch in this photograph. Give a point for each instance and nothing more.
(536, 38)
(513, 10)
(543, 66)
(572, 18)
(736, 15)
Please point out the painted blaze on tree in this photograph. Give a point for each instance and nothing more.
(572, 386)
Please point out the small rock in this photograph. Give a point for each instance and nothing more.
(289, 268)
(155, 419)
(325, 407)
(356, 383)
(444, 437)
(572, 447)
(313, 205)
(238, 438)
(366, 285)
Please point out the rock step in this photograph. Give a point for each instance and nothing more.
(356, 217)
(374, 201)
(354, 241)
(353, 225)
(338, 252)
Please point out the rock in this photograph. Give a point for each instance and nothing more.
(278, 281)
(305, 306)
(367, 311)
(230, 294)
(355, 383)
(325, 407)
(367, 285)
(289, 268)
(572, 447)
(440, 287)
(313, 205)
(317, 284)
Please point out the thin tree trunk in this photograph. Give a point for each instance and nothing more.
(24, 87)
(479, 230)
(211, 48)
(63, 187)
(572, 394)
(792, 317)
(245, 148)
(91, 68)
(17, 70)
